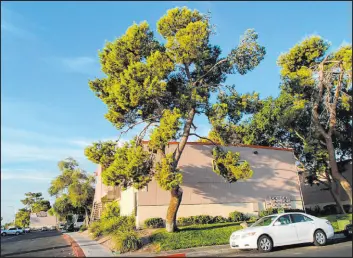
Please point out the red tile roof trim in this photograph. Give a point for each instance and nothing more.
(235, 145)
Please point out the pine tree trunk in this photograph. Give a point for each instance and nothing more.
(177, 192)
(334, 169)
(337, 201)
(86, 218)
(175, 200)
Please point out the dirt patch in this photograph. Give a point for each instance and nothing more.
(145, 235)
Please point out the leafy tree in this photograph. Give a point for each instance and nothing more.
(8, 224)
(23, 218)
(74, 186)
(35, 202)
(31, 199)
(320, 83)
(62, 207)
(42, 205)
(165, 86)
(289, 120)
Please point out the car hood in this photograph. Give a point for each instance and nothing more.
(250, 229)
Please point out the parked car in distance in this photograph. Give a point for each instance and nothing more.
(282, 229)
(44, 229)
(11, 231)
(52, 228)
(27, 230)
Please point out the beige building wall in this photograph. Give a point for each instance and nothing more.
(204, 192)
(100, 188)
(127, 202)
(42, 219)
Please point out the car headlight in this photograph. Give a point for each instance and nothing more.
(248, 234)
(233, 236)
(328, 222)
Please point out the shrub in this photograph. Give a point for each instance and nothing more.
(119, 224)
(199, 220)
(220, 219)
(184, 221)
(253, 218)
(267, 212)
(315, 212)
(154, 223)
(110, 210)
(95, 229)
(330, 209)
(293, 210)
(271, 211)
(347, 208)
(83, 228)
(236, 216)
(126, 241)
(71, 228)
(202, 219)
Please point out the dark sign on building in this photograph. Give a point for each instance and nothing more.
(278, 201)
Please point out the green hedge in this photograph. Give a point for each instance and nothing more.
(339, 221)
(154, 223)
(271, 211)
(234, 216)
(237, 216)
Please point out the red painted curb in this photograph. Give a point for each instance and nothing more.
(175, 255)
(75, 247)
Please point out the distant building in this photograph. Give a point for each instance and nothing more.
(275, 180)
(42, 219)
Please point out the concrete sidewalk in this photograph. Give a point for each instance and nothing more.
(91, 248)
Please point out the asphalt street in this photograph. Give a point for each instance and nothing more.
(36, 244)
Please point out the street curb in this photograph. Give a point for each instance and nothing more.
(174, 255)
(78, 252)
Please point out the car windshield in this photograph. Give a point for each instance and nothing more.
(265, 221)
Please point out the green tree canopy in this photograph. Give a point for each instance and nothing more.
(35, 202)
(23, 218)
(164, 86)
(311, 113)
(73, 188)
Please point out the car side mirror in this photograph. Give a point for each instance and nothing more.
(277, 223)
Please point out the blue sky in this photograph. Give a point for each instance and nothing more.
(49, 52)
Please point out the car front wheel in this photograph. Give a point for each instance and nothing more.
(264, 244)
(320, 238)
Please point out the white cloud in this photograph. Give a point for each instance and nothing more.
(25, 174)
(18, 152)
(20, 145)
(14, 24)
(83, 64)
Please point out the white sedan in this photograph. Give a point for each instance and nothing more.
(282, 229)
